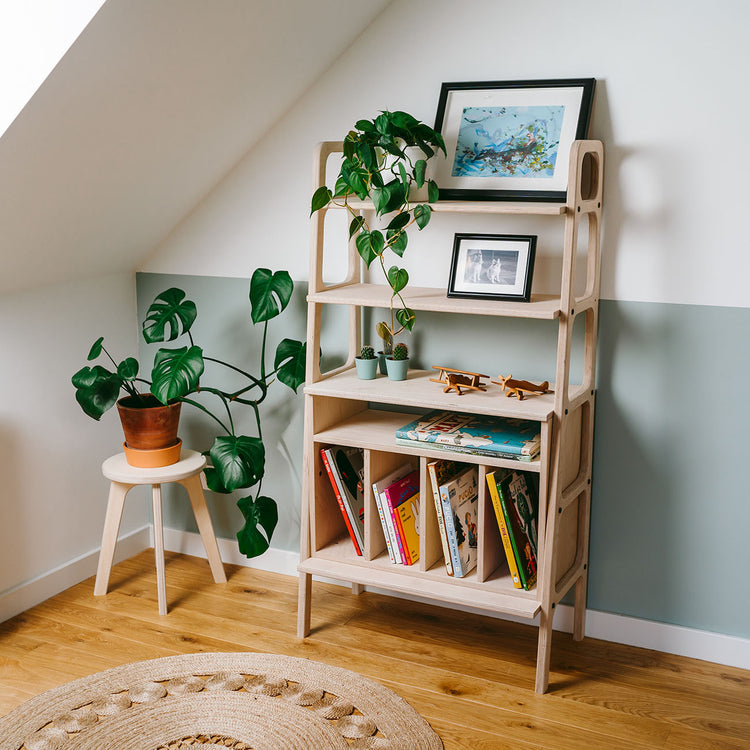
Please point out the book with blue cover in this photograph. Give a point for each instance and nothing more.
(474, 433)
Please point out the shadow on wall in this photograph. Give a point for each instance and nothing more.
(16, 530)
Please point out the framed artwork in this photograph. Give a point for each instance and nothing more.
(510, 140)
(492, 266)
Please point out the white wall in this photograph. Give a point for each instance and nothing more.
(667, 107)
(53, 495)
(34, 35)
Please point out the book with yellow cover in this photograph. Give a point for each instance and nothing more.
(408, 517)
(507, 546)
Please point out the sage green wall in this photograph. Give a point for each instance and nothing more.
(670, 507)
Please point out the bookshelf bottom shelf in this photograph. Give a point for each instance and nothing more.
(425, 585)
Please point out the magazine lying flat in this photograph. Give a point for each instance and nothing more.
(474, 433)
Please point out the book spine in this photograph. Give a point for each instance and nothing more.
(402, 536)
(337, 492)
(507, 546)
(386, 533)
(389, 509)
(399, 560)
(441, 522)
(515, 543)
(527, 555)
(450, 532)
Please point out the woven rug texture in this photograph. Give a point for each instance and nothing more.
(242, 701)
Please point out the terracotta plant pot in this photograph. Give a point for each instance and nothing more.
(147, 423)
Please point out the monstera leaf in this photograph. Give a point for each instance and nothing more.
(238, 461)
(97, 390)
(176, 372)
(290, 355)
(260, 513)
(269, 293)
(169, 310)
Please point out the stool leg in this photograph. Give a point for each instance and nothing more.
(117, 492)
(205, 527)
(161, 584)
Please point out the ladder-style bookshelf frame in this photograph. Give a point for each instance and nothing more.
(337, 413)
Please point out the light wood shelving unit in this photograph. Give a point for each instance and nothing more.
(340, 409)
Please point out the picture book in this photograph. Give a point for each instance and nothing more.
(510, 555)
(349, 468)
(395, 494)
(519, 500)
(386, 518)
(459, 497)
(439, 473)
(474, 433)
(408, 515)
(327, 458)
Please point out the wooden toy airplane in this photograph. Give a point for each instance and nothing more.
(459, 380)
(518, 388)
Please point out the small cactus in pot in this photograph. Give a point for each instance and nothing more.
(400, 352)
(366, 363)
(398, 362)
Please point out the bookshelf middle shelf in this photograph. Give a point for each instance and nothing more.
(375, 429)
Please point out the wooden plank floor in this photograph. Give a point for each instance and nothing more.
(471, 677)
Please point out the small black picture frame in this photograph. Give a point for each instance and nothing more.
(510, 140)
(492, 266)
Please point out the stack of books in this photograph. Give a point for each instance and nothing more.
(515, 499)
(397, 499)
(473, 433)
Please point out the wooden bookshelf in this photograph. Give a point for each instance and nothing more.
(340, 409)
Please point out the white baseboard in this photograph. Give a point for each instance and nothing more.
(672, 639)
(658, 636)
(26, 595)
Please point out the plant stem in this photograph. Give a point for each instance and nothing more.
(255, 380)
(206, 411)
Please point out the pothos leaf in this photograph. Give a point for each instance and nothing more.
(422, 214)
(406, 318)
(321, 198)
(398, 278)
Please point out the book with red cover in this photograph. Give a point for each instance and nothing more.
(396, 494)
(325, 454)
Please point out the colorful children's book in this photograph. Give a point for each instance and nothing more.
(518, 497)
(408, 516)
(440, 472)
(459, 497)
(349, 469)
(386, 518)
(397, 493)
(327, 458)
(510, 555)
(474, 433)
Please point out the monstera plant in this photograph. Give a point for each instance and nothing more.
(384, 159)
(236, 461)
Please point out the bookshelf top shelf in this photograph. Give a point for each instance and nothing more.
(530, 208)
(420, 392)
(541, 306)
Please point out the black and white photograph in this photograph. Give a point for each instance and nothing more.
(494, 266)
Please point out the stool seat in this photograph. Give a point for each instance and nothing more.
(123, 477)
(117, 469)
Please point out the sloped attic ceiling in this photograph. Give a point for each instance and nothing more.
(152, 105)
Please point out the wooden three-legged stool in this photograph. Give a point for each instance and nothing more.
(123, 477)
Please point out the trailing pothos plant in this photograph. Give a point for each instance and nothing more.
(381, 161)
(235, 461)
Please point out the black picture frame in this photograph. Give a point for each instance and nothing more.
(492, 266)
(510, 140)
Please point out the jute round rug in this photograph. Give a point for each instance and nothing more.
(241, 701)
